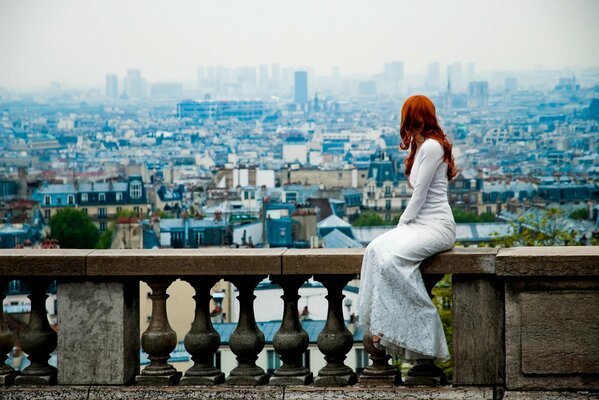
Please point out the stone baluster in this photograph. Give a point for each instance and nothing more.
(202, 341)
(159, 340)
(380, 373)
(335, 340)
(7, 374)
(38, 340)
(424, 371)
(291, 340)
(246, 341)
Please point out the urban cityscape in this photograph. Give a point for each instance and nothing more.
(285, 156)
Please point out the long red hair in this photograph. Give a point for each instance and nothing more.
(418, 117)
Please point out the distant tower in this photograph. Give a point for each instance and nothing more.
(301, 87)
(448, 94)
(134, 84)
(112, 86)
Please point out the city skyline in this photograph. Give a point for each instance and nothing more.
(168, 43)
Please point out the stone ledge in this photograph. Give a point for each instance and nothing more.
(459, 260)
(46, 262)
(184, 262)
(253, 393)
(548, 261)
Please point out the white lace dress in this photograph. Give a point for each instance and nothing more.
(393, 302)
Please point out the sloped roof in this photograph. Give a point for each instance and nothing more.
(333, 221)
(339, 240)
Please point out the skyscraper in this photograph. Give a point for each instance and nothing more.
(112, 86)
(301, 87)
(134, 84)
(393, 71)
(433, 78)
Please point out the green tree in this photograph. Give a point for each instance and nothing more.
(442, 300)
(369, 219)
(74, 230)
(544, 229)
(580, 213)
(464, 217)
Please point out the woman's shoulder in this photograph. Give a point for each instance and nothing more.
(432, 146)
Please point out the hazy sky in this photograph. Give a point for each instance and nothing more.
(78, 42)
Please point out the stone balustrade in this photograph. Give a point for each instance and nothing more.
(524, 320)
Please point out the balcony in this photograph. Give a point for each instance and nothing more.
(525, 325)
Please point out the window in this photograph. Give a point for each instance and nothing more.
(119, 209)
(71, 199)
(102, 212)
(245, 194)
(199, 236)
(387, 204)
(84, 211)
(47, 214)
(361, 360)
(135, 190)
(47, 200)
(489, 209)
(83, 197)
(404, 203)
(136, 210)
(274, 361)
(102, 197)
(119, 196)
(253, 195)
(387, 190)
(14, 287)
(102, 226)
(177, 240)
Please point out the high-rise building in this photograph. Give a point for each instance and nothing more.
(112, 86)
(511, 84)
(433, 77)
(301, 87)
(478, 94)
(135, 85)
(393, 71)
(263, 76)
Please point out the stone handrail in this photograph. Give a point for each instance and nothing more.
(523, 318)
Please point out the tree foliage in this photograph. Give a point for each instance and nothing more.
(543, 229)
(580, 213)
(442, 300)
(463, 217)
(369, 219)
(74, 230)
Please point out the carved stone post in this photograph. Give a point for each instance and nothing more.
(424, 371)
(159, 340)
(38, 340)
(202, 340)
(7, 374)
(291, 340)
(380, 373)
(247, 341)
(335, 340)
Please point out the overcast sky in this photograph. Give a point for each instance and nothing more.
(76, 42)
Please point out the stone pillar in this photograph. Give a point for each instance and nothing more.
(424, 371)
(335, 340)
(7, 374)
(38, 340)
(98, 342)
(159, 340)
(380, 373)
(291, 340)
(202, 340)
(247, 341)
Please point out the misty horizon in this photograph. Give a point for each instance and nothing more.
(77, 44)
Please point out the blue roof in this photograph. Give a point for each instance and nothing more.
(339, 240)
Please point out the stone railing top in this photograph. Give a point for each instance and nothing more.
(521, 261)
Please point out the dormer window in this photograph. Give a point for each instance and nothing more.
(102, 197)
(83, 197)
(135, 190)
(119, 196)
(47, 200)
(70, 199)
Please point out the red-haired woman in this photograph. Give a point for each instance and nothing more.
(393, 304)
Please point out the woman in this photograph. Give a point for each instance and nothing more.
(393, 303)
